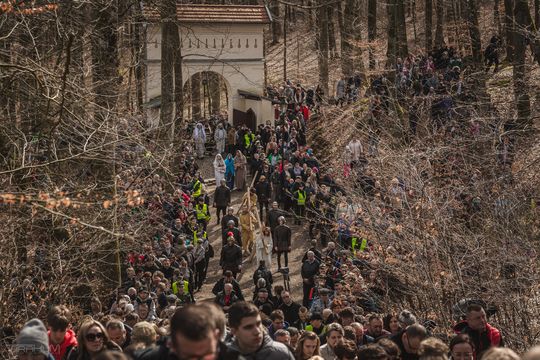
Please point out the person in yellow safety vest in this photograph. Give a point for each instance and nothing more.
(196, 237)
(316, 324)
(181, 289)
(197, 189)
(358, 244)
(300, 206)
(201, 213)
(249, 138)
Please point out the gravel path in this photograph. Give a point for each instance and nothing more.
(300, 243)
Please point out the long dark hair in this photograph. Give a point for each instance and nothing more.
(306, 335)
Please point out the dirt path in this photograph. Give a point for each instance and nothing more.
(300, 243)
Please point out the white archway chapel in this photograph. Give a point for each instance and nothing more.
(223, 62)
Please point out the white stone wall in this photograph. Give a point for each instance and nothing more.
(242, 65)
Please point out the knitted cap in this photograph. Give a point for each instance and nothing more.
(33, 338)
(406, 318)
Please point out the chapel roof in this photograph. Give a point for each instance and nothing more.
(223, 14)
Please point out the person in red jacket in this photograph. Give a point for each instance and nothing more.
(61, 338)
(482, 334)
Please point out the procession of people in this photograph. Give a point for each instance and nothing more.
(288, 200)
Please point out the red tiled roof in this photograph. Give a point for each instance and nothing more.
(238, 14)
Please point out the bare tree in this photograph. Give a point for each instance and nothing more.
(474, 30)
(439, 31)
(322, 44)
(509, 29)
(428, 24)
(372, 30)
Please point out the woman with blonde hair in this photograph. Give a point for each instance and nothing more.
(145, 333)
(308, 346)
(92, 340)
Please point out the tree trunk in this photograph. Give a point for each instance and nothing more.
(537, 13)
(439, 31)
(521, 84)
(322, 15)
(429, 24)
(402, 49)
(474, 31)
(138, 35)
(391, 9)
(178, 80)
(415, 32)
(497, 16)
(372, 30)
(331, 31)
(348, 31)
(509, 29)
(358, 63)
(285, 24)
(104, 56)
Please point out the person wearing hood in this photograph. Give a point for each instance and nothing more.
(229, 171)
(33, 342)
(220, 136)
(61, 338)
(250, 340)
(219, 169)
(199, 137)
(482, 334)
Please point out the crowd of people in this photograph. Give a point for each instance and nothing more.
(156, 315)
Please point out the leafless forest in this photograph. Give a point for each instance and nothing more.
(78, 157)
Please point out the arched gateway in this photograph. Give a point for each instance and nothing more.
(223, 39)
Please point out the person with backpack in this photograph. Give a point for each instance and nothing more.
(263, 272)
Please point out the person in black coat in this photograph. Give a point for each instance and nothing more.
(309, 272)
(290, 308)
(235, 232)
(282, 241)
(272, 217)
(231, 257)
(318, 254)
(263, 272)
(228, 278)
(230, 216)
(263, 191)
(222, 199)
(408, 341)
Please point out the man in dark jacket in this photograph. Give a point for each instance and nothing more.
(282, 241)
(290, 308)
(408, 341)
(235, 233)
(251, 342)
(263, 191)
(228, 278)
(226, 298)
(309, 271)
(230, 216)
(263, 272)
(222, 199)
(272, 217)
(482, 334)
(318, 255)
(195, 334)
(231, 257)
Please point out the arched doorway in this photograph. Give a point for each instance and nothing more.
(205, 94)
